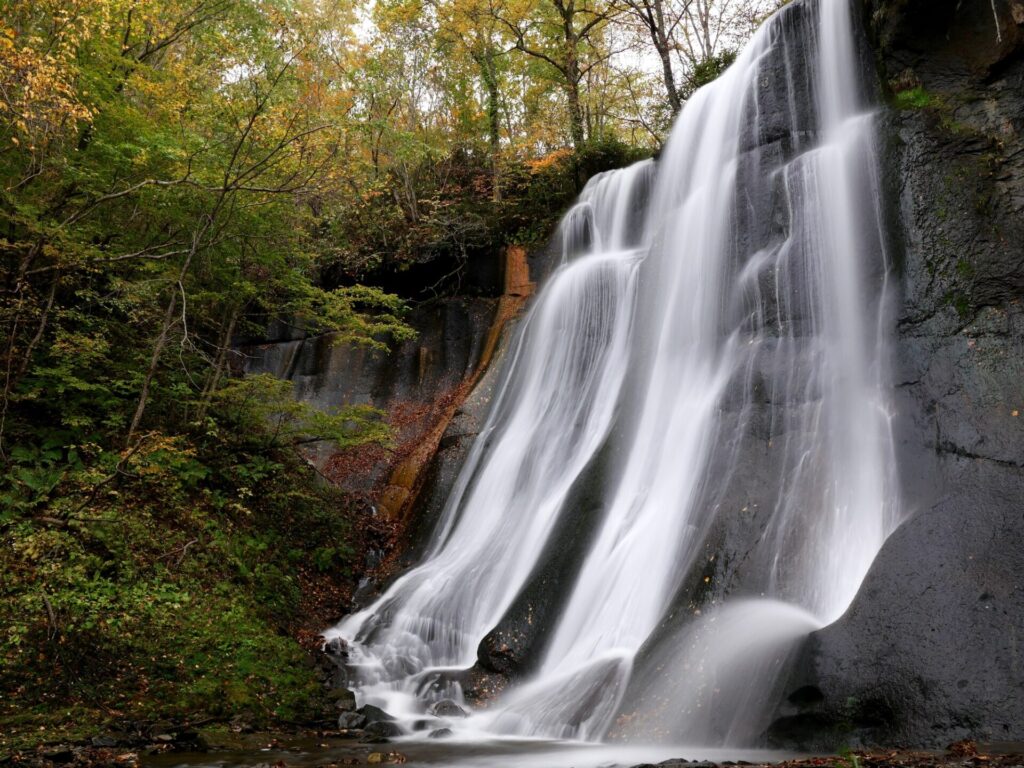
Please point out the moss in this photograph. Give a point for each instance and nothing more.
(956, 128)
(914, 98)
(963, 306)
(961, 303)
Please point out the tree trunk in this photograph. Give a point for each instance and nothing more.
(572, 73)
(26, 359)
(666, 72)
(490, 77)
(154, 363)
(572, 92)
(20, 287)
(168, 322)
(219, 364)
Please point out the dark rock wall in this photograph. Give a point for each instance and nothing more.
(932, 649)
(408, 382)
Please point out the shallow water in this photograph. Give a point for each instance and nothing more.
(524, 753)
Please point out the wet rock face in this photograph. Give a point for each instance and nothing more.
(452, 451)
(514, 647)
(932, 649)
(943, 39)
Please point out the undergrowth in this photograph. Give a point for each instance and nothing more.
(168, 581)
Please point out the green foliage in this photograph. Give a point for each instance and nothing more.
(462, 220)
(161, 180)
(162, 582)
(167, 192)
(173, 174)
(708, 70)
(264, 405)
(914, 98)
(847, 759)
(540, 191)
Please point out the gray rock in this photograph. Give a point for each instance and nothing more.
(381, 731)
(447, 708)
(374, 714)
(350, 721)
(337, 648)
(343, 699)
(336, 666)
(440, 733)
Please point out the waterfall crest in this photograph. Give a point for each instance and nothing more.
(732, 295)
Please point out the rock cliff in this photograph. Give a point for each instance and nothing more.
(932, 649)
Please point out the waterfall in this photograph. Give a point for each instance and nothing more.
(729, 301)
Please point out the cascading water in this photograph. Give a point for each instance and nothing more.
(737, 299)
(551, 414)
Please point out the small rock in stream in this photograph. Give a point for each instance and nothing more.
(381, 731)
(447, 708)
(385, 757)
(440, 733)
(343, 699)
(374, 714)
(190, 741)
(349, 721)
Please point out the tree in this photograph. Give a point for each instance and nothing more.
(160, 181)
(470, 27)
(660, 20)
(565, 35)
(713, 30)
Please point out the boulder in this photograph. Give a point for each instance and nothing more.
(374, 714)
(343, 699)
(350, 721)
(381, 731)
